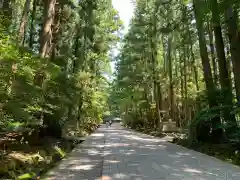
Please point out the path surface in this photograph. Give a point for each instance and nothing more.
(117, 153)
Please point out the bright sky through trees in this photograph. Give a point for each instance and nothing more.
(125, 8)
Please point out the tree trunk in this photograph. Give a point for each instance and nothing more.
(159, 103)
(45, 41)
(203, 130)
(171, 94)
(185, 82)
(24, 21)
(214, 65)
(229, 63)
(223, 71)
(32, 28)
(156, 84)
(182, 91)
(56, 30)
(46, 35)
(193, 62)
(164, 56)
(177, 67)
(231, 17)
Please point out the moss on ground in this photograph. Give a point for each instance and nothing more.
(28, 159)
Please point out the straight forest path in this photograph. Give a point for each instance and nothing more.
(117, 153)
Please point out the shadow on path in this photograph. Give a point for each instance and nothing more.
(85, 161)
(118, 153)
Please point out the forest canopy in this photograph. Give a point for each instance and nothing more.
(179, 62)
(54, 59)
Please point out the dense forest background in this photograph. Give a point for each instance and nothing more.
(179, 62)
(55, 59)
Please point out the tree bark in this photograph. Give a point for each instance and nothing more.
(46, 35)
(24, 21)
(57, 30)
(182, 90)
(231, 18)
(171, 94)
(203, 130)
(156, 84)
(223, 71)
(214, 65)
(32, 28)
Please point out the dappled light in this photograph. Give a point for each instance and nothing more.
(54, 80)
(128, 155)
(82, 167)
(133, 137)
(98, 135)
(177, 75)
(111, 161)
(192, 170)
(84, 161)
(84, 95)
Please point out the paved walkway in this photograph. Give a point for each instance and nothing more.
(116, 153)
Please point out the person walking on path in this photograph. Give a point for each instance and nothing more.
(110, 123)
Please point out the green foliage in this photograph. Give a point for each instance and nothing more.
(163, 75)
(26, 176)
(21, 99)
(62, 95)
(64, 88)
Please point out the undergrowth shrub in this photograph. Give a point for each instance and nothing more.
(22, 100)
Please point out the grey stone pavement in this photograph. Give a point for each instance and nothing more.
(117, 153)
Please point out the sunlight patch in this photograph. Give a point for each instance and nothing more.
(116, 144)
(183, 154)
(82, 167)
(98, 134)
(93, 152)
(192, 170)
